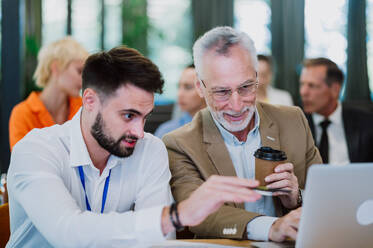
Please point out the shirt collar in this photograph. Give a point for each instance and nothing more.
(335, 117)
(229, 138)
(35, 103)
(78, 153)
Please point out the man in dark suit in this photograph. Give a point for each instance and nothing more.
(343, 133)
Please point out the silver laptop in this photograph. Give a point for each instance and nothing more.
(338, 207)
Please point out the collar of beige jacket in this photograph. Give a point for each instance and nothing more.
(269, 132)
(217, 150)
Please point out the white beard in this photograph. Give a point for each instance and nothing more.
(234, 126)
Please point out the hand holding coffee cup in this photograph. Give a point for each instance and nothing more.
(277, 175)
(266, 159)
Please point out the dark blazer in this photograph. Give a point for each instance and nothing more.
(197, 150)
(358, 126)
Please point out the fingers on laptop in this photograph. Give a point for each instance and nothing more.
(286, 227)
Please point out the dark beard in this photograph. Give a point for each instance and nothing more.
(107, 142)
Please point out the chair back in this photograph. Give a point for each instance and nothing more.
(4, 224)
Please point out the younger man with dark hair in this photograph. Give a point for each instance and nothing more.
(99, 180)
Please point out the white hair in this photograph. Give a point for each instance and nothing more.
(221, 39)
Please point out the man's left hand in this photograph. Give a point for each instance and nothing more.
(284, 178)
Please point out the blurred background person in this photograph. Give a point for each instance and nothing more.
(188, 100)
(267, 93)
(58, 72)
(342, 133)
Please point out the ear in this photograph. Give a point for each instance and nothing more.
(91, 99)
(54, 67)
(198, 85)
(336, 89)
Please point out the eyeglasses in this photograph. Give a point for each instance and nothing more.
(223, 94)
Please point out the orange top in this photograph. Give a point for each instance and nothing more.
(32, 113)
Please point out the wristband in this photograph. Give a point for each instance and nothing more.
(176, 223)
(300, 198)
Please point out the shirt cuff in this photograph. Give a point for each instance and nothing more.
(148, 224)
(258, 228)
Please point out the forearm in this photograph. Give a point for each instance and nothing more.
(227, 222)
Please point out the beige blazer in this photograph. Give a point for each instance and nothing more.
(197, 151)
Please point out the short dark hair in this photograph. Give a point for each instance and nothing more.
(108, 71)
(333, 73)
(266, 58)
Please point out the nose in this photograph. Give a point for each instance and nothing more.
(303, 90)
(137, 129)
(236, 102)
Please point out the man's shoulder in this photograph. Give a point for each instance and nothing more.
(357, 111)
(149, 146)
(170, 124)
(22, 110)
(356, 116)
(192, 127)
(166, 127)
(150, 141)
(31, 105)
(191, 131)
(41, 139)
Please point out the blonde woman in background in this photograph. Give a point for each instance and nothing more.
(58, 72)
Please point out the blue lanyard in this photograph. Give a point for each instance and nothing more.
(81, 173)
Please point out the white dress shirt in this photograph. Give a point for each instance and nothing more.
(338, 152)
(47, 200)
(277, 96)
(242, 156)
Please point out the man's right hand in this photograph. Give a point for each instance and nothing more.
(212, 194)
(286, 227)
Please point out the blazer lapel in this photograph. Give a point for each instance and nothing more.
(311, 125)
(269, 132)
(219, 154)
(270, 136)
(216, 149)
(351, 133)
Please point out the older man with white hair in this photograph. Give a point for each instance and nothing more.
(222, 139)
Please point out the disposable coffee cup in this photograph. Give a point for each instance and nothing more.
(266, 159)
